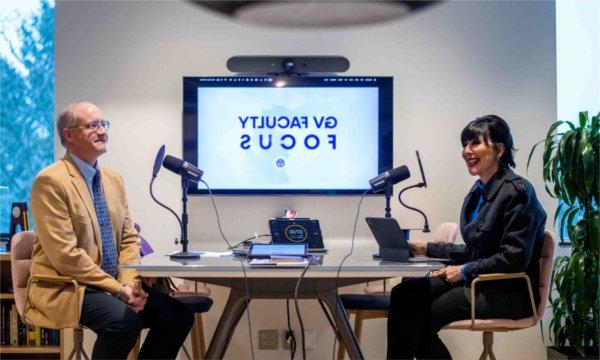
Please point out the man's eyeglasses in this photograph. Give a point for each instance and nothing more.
(94, 125)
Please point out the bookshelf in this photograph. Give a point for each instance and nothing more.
(10, 349)
(22, 351)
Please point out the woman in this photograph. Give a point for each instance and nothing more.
(502, 225)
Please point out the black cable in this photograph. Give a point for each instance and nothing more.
(331, 322)
(337, 277)
(291, 333)
(243, 268)
(298, 309)
(248, 239)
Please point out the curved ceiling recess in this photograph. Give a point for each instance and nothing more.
(311, 14)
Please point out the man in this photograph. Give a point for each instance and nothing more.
(84, 232)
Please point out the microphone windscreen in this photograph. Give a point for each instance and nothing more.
(158, 160)
(172, 163)
(398, 174)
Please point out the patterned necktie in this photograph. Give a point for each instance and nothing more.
(109, 251)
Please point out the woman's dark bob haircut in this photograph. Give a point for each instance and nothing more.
(494, 128)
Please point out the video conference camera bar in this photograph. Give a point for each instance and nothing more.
(287, 65)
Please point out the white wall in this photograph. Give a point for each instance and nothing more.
(451, 63)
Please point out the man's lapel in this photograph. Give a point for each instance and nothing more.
(86, 198)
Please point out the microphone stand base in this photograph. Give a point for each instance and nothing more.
(185, 255)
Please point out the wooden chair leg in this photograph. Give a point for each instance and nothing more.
(63, 351)
(341, 350)
(78, 350)
(187, 354)
(197, 351)
(72, 354)
(358, 322)
(200, 326)
(135, 351)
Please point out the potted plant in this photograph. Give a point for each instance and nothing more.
(571, 166)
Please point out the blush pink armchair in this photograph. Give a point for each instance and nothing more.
(489, 326)
(446, 233)
(20, 260)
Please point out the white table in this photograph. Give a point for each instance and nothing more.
(320, 282)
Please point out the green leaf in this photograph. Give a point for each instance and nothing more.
(567, 162)
(571, 174)
(558, 211)
(573, 211)
(589, 168)
(576, 173)
(570, 124)
(595, 232)
(583, 118)
(531, 154)
(550, 192)
(549, 149)
(595, 128)
(564, 142)
(550, 133)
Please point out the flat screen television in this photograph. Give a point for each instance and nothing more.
(287, 135)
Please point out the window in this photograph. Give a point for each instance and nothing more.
(27, 98)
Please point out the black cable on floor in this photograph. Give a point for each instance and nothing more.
(337, 277)
(331, 322)
(291, 333)
(243, 268)
(298, 310)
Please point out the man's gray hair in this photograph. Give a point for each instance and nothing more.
(66, 119)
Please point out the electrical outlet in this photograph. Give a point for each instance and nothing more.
(287, 343)
(310, 340)
(268, 340)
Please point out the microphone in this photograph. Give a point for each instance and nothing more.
(158, 160)
(388, 178)
(183, 168)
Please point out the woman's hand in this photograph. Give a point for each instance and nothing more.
(418, 247)
(450, 273)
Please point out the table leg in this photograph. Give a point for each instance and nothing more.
(236, 304)
(334, 304)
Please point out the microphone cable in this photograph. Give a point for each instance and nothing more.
(298, 309)
(290, 334)
(337, 277)
(241, 262)
(248, 239)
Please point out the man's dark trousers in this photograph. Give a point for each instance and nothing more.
(118, 326)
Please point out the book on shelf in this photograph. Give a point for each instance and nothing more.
(14, 325)
(14, 332)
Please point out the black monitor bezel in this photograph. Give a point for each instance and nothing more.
(189, 123)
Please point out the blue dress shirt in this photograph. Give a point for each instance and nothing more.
(87, 172)
(472, 218)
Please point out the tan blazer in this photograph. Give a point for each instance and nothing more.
(68, 242)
